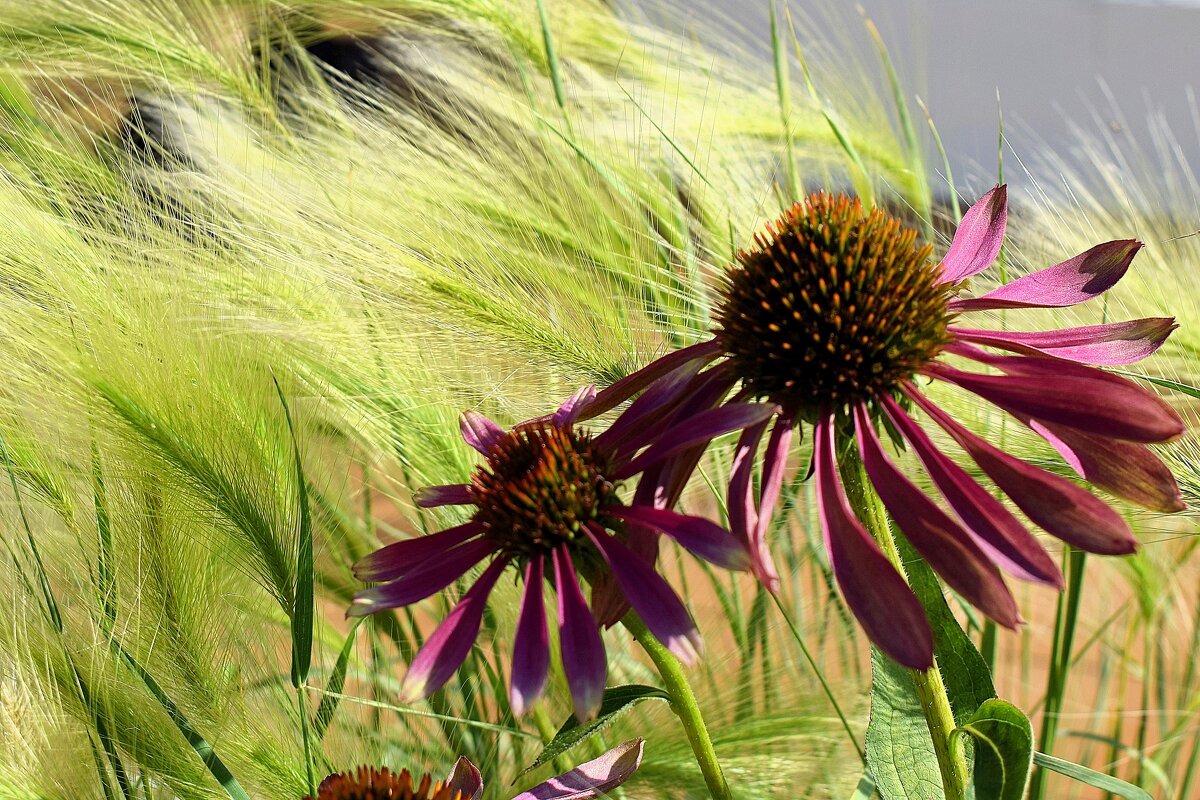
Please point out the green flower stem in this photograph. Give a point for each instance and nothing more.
(931, 691)
(683, 701)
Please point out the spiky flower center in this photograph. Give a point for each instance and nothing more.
(539, 486)
(369, 783)
(832, 306)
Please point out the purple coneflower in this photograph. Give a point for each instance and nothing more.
(593, 779)
(832, 317)
(547, 500)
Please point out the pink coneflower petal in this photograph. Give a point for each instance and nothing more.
(531, 643)
(1057, 505)
(1131, 471)
(448, 646)
(978, 237)
(640, 421)
(464, 780)
(774, 466)
(880, 599)
(652, 598)
(633, 383)
(994, 527)
(596, 778)
(569, 410)
(742, 510)
(697, 535)
(399, 558)
(583, 658)
(1066, 393)
(948, 548)
(1111, 345)
(433, 575)
(698, 430)
(456, 494)
(1076, 280)
(479, 431)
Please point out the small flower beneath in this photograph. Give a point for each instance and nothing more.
(593, 779)
(547, 501)
(834, 315)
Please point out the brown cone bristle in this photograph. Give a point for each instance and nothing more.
(370, 783)
(833, 305)
(539, 486)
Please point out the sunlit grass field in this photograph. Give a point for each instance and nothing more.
(255, 259)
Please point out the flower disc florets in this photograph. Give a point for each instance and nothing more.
(834, 305)
(539, 486)
(369, 783)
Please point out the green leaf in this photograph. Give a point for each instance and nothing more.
(865, 789)
(337, 679)
(302, 611)
(1003, 752)
(899, 751)
(1099, 780)
(617, 700)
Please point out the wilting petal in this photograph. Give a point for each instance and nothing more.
(568, 411)
(1109, 345)
(699, 429)
(531, 644)
(1081, 278)
(978, 237)
(880, 599)
(457, 494)
(445, 650)
(583, 658)
(994, 527)
(433, 575)
(593, 779)
(1066, 393)
(774, 464)
(479, 431)
(743, 511)
(1060, 507)
(1131, 471)
(942, 542)
(464, 780)
(399, 558)
(652, 597)
(699, 536)
(633, 383)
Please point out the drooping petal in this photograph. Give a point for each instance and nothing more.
(699, 536)
(1131, 471)
(456, 494)
(479, 431)
(1060, 507)
(399, 558)
(942, 542)
(652, 597)
(1113, 344)
(880, 599)
(743, 511)
(630, 431)
(978, 237)
(698, 429)
(1081, 278)
(994, 527)
(448, 646)
(433, 575)
(569, 410)
(633, 383)
(531, 643)
(464, 780)
(593, 779)
(774, 465)
(583, 658)
(1075, 395)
